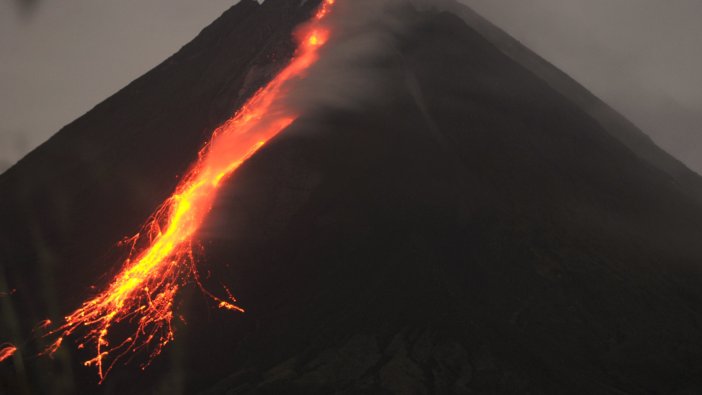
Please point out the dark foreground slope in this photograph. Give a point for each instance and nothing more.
(472, 231)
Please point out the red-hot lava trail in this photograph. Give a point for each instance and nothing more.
(142, 294)
(6, 351)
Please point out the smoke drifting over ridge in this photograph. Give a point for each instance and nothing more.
(351, 69)
(362, 54)
(351, 75)
(620, 71)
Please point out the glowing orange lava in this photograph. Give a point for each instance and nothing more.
(142, 295)
(6, 351)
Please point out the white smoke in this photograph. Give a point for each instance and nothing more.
(363, 43)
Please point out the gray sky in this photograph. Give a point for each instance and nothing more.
(65, 56)
(642, 56)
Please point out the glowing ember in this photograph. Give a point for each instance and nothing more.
(6, 351)
(141, 296)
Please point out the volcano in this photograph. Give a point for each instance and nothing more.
(472, 222)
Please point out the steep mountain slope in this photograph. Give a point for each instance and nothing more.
(471, 230)
(613, 122)
(66, 204)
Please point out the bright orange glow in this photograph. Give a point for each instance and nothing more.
(324, 9)
(142, 294)
(6, 351)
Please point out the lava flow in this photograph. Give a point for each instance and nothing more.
(6, 351)
(142, 294)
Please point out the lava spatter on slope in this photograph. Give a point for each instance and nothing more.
(161, 261)
(6, 351)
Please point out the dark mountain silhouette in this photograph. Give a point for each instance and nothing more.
(486, 227)
(613, 122)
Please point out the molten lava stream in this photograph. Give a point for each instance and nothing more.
(6, 351)
(142, 293)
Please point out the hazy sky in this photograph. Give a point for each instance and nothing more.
(644, 57)
(64, 57)
(59, 60)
